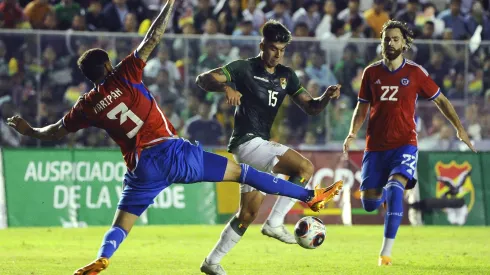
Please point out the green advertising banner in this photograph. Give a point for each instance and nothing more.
(77, 188)
(453, 175)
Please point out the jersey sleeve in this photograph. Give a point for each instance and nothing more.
(233, 70)
(131, 68)
(365, 95)
(294, 86)
(428, 89)
(76, 119)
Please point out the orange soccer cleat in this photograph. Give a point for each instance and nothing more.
(384, 260)
(94, 267)
(324, 195)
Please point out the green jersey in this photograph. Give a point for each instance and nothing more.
(262, 95)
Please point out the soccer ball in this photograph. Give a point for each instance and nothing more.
(309, 232)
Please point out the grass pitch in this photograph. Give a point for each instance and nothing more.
(160, 250)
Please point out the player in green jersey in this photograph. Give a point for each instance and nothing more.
(261, 84)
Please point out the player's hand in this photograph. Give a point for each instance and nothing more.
(19, 124)
(463, 136)
(233, 97)
(333, 91)
(347, 142)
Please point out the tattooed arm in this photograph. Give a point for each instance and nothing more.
(215, 81)
(156, 31)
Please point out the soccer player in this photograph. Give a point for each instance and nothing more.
(390, 88)
(261, 84)
(121, 104)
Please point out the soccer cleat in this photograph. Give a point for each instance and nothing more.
(384, 260)
(212, 269)
(94, 267)
(279, 233)
(324, 195)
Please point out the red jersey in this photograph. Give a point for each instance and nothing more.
(125, 109)
(393, 96)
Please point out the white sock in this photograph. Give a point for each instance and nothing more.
(279, 211)
(226, 242)
(386, 248)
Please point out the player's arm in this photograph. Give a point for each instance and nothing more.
(54, 131)
(448, 111)
(314, 106)
(155, 32)
(358, 118)
(215, 81)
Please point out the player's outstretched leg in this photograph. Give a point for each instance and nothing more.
(218, 168)
(393, 217)
(113, 238)
(300, 170)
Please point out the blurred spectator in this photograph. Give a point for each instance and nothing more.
(50, 21)
(11, 14)
(471, 122)
(169, 109)
(114, 14)
(376, 17)
(162, 89)
(409, 13)
(437, 69)
(257, 14)
(319, 71)
(204, 128)
(340, 118)
(478, 17)
(94, 17)
(266, 5)
(325, 25)
(245, 28)
(308, 14)
(424, 48)
(230, 17)
(130, 23)
(444, 140)
(457, 91)
(352, 11)
(280, 13)
(454, 20)
(224, 115)
(78, 23)
(162, 62)
(65, 11)
(36, 11)
(211, 58)
(347, 70)
(202, 13)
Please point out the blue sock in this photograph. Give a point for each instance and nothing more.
(273, 185)
(394, 214)
(372, 204)
(112, 239)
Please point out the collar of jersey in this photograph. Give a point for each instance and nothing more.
(396, 70)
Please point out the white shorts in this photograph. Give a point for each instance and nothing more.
(260, 154)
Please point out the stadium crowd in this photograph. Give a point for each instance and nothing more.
(333, 42)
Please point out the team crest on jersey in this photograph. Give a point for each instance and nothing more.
(404, 81)
(283, 82)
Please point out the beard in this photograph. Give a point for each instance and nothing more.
(391, 54)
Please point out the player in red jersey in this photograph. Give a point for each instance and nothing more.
(121, 104)
(390, 89)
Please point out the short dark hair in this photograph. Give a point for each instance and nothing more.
(274, 31)
(92, 64)
(407, 33)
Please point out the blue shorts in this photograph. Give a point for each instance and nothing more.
(378, 166)
(173, 161)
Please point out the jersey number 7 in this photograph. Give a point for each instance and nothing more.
(125, 114)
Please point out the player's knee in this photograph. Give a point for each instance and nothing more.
(371, 204)
(247, 216)
(306, 169)
(400, 178)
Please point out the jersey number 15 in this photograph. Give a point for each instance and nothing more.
(272, 98)
(125, 114)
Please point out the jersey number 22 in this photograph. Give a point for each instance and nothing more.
(389, 93)
(125, 114)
